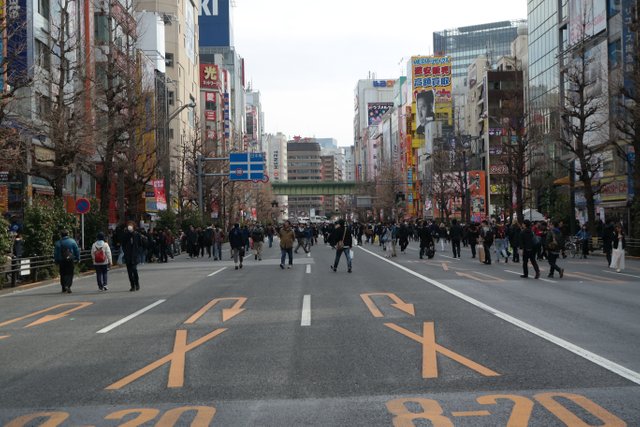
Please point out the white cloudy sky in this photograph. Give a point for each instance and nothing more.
(306, 56)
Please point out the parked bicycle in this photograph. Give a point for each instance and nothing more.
(571, 246)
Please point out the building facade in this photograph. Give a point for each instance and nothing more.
(304, 164)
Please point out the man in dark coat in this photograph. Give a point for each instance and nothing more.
(131, 245)
(341, 233)
(456, 236)
(608, 236)
(237, 243)
(66, 253)
(528, 251)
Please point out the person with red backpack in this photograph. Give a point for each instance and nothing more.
(101, 256)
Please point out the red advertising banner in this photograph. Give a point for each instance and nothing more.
(477, 184)
(210, 97)
(210, 115)
(209, 76)
(158, 190)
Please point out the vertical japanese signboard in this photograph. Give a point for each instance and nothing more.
(431, 90)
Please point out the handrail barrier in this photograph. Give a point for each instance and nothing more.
(34, 269)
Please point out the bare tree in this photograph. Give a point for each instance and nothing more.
(13, 68)
(188, 152)
(117, 95)
(442, 183)
(388, 186)
(60, 118)
(584, 116)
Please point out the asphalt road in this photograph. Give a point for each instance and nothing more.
(400, 341)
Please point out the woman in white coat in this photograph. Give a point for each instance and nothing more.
(101, 256)
(619, 245)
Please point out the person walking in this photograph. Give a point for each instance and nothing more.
(131, 246)
(237, 243)
(514, 240)
(554, 243)
(528, 251)
(66, 253)
(619, 245)
(608, 236)
(487, 241)
(218, 239)
(583, 237)
(287, 238)
(101, 257)
(257, 235)
(472, 238)
(270, 232)
(456, 233)
(342, 241)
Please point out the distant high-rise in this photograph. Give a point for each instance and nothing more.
(304, 164)
(465, 44)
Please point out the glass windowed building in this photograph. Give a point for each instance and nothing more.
(465, 44)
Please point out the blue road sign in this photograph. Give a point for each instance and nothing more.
(246, 166)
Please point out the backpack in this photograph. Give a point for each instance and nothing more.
(100, 256)
(66, 254)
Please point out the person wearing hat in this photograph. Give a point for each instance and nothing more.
(101, 256)
(65, 254)
(342, 241)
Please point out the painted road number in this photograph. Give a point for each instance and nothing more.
(432, 411)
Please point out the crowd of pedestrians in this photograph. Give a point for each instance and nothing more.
(488, 241)
(495, 241)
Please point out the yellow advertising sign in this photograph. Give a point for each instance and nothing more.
(431, 90)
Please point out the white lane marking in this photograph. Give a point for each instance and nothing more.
(306, 311)
(621, 274)
(131, 316)
(544, 280)
(216, 272)
(308, 268)
(447, 256)
(592, 357)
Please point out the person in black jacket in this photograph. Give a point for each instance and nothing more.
(528, 251)
(472, 238)
(514, 240)
(608, 236)
(341, 233)
(131, 246)
(237, 243)
(456, 236)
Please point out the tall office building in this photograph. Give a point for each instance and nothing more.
(465, 44)
(547, 21)
(304, 164)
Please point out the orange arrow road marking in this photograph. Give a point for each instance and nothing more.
(4, 336)
(227, 313)
(430, 348)
(51, 317)
(176, 359)
(445, 267)
(399, 304)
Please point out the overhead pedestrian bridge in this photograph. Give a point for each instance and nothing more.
(302, 188)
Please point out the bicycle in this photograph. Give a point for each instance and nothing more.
(571, 246)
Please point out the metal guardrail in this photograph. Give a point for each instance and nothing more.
(26, 270)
